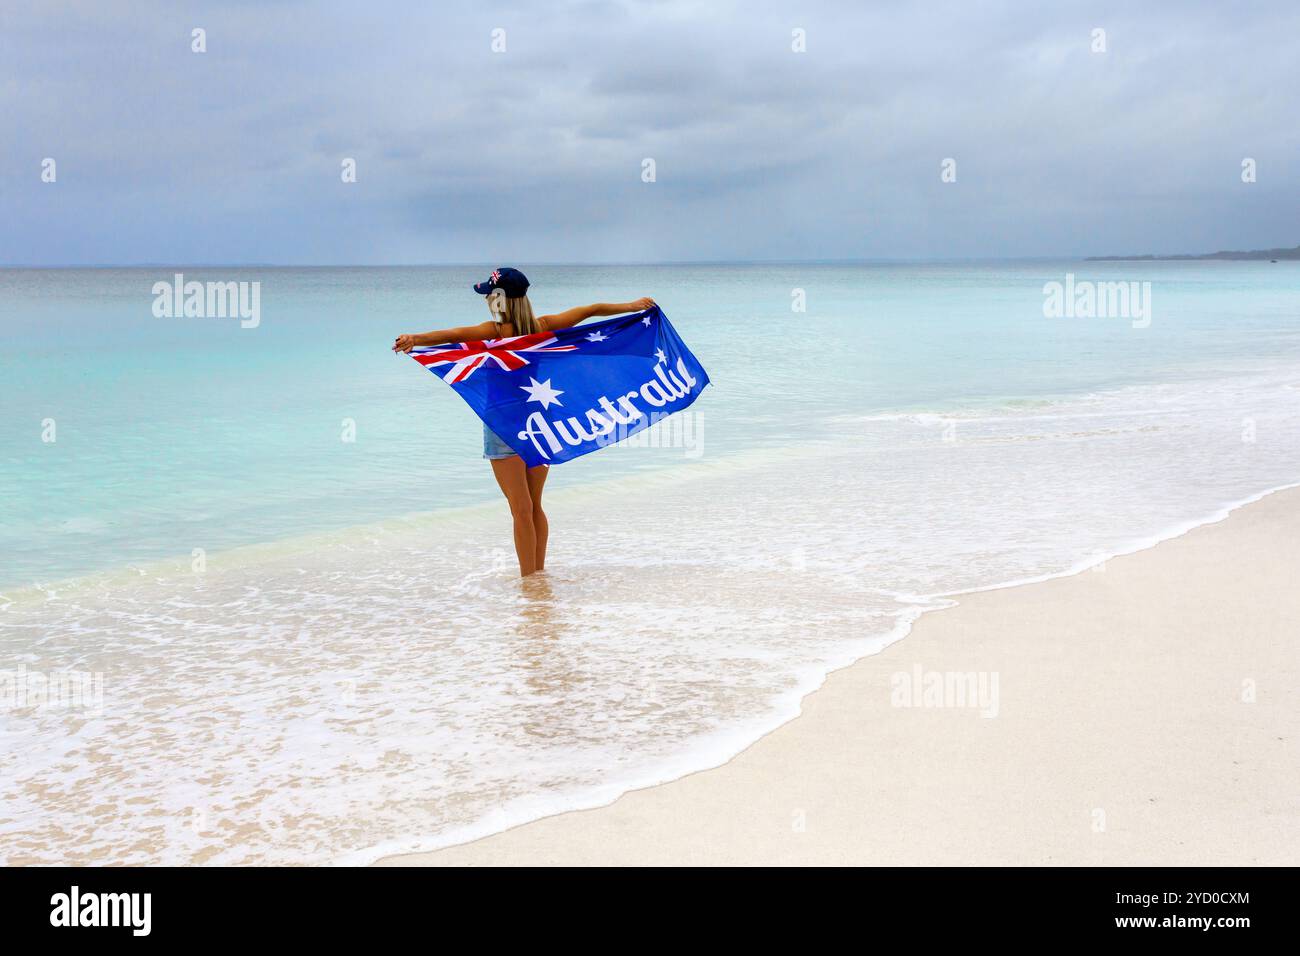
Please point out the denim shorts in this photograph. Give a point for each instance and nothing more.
(494, 447)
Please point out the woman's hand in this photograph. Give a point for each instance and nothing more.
(645, 302)
(404, 343)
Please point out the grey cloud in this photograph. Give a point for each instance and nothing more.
(234, 155)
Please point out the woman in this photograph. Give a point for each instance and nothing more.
(512, 314)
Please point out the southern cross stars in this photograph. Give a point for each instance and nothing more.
(659, 354)
(596, 337)
(543, 392)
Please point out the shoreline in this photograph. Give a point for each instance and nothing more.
(630, 829)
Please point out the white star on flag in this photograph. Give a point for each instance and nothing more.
(543, 392)
(595, 337)
(646, 320)
(659, 354)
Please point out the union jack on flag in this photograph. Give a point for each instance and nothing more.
(467, 357)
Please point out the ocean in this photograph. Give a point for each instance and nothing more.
(277, 561)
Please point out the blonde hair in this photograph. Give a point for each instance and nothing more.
(518, 312)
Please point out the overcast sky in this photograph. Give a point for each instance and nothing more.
(536, 154)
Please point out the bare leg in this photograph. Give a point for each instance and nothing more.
(512, 477)
(541, 530)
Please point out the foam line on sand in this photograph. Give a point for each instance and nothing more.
(1145, 713)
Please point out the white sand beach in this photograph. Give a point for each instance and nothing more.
(1145, 713)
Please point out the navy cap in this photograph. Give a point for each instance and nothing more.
(510, 281)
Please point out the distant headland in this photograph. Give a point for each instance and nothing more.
(1271, 254)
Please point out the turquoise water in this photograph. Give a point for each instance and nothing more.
(175, 433)
(350, 665)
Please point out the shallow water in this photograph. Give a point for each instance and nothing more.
(351, 666)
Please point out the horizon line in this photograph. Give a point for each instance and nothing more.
(659, 262)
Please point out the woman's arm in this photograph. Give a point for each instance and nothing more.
(465, 333)
(563, 320)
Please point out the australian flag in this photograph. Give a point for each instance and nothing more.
(553, 396)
